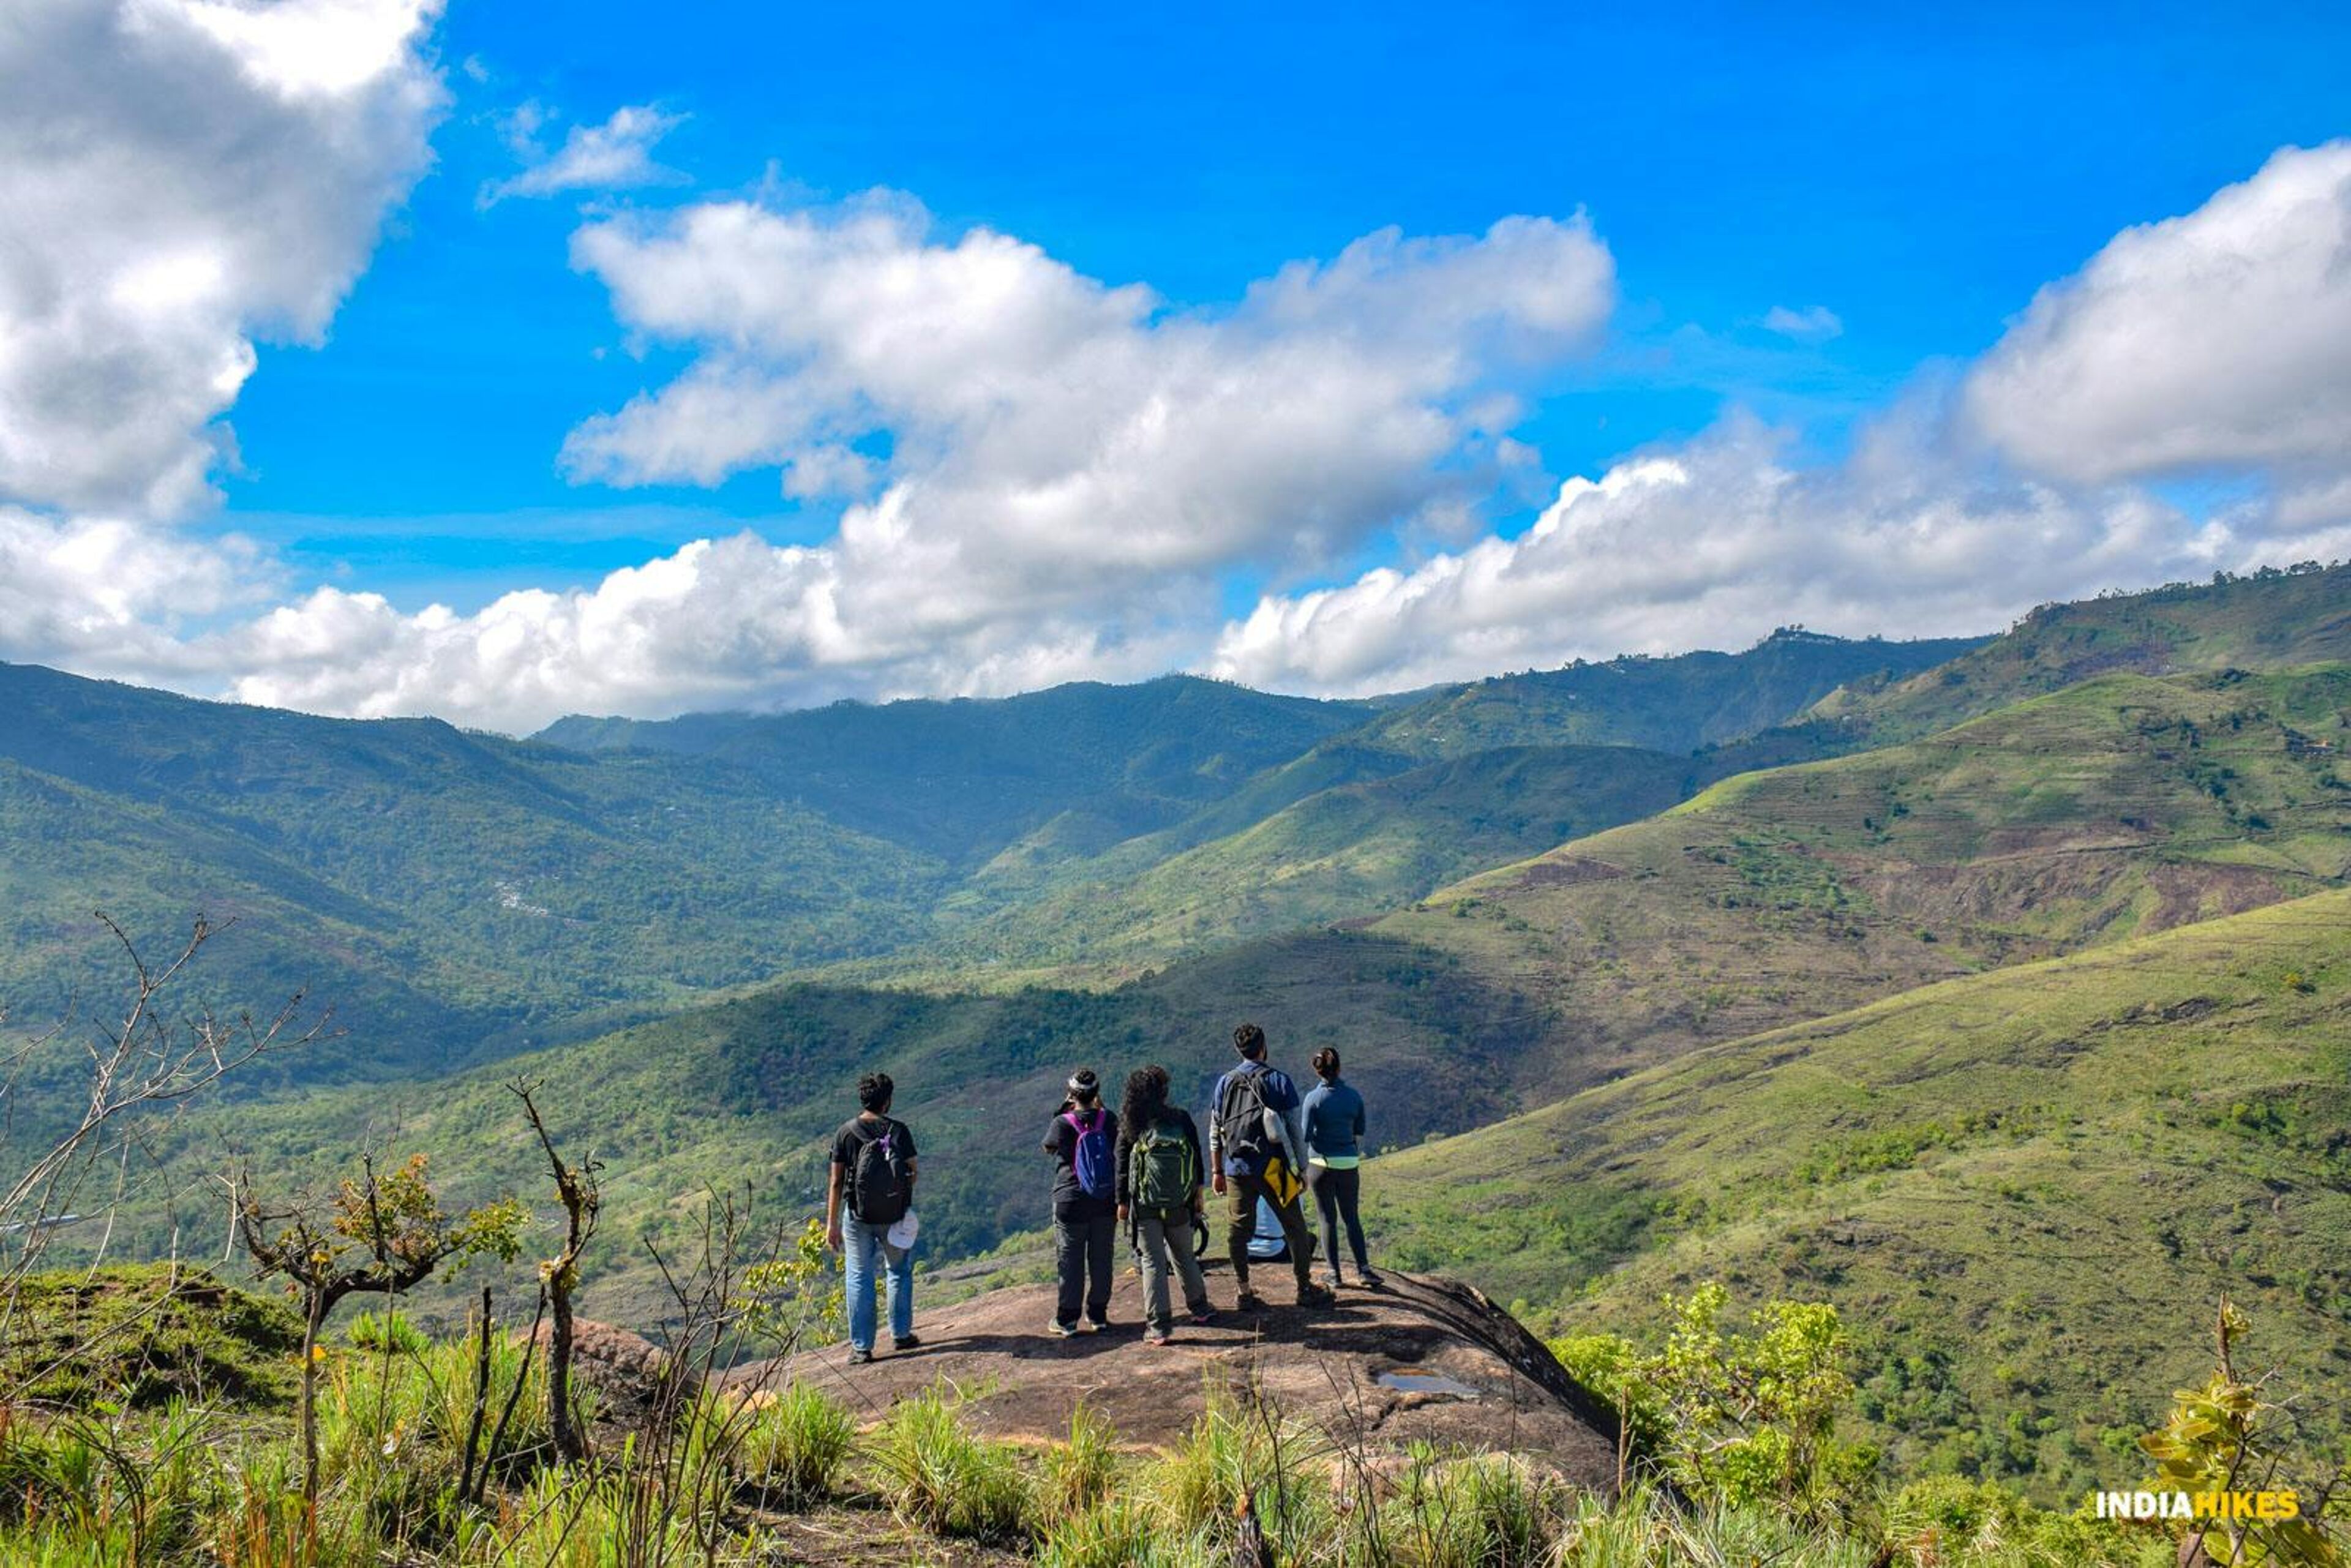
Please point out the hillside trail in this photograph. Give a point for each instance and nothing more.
(1422, 1359)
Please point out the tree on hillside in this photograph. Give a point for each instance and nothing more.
(149, 1059)
(381, 1234)
(577, 1189)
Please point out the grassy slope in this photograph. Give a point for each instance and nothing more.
(2025, 1188)
(2121, 806)
(1676, 704)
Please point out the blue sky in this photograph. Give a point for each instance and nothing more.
(1918, 177)
(1897, 187)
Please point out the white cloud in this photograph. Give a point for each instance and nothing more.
(731, 623)
(1041, 476)
(1813, 324)
(1067, 465)
(183, 178)
(615, 156)
(1017, 435)
(1712, 545)
(2221, 338)
(112, 596)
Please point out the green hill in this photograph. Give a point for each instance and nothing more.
(2122, 805)
(2028, 1187)
(961, 779)
(2125, 806)
(1676, 704)
(2273, 619)
(1338, 852)
(441, 888)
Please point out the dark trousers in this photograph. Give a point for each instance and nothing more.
(1335, 1193)
(1240, 1224)
(1081, 1255)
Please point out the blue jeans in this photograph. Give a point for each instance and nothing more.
(862, 1249)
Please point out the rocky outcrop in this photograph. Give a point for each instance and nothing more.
(1421, 1359)
(625, 1372)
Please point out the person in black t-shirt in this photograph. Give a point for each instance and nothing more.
(872, 1192)
(1082, 1139)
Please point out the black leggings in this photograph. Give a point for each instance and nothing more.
(1335, 1192)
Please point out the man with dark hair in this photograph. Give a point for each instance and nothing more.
(873, 1180)
(1253, 1153)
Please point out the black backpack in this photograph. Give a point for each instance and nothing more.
(878, 1191)
(1240, 1116)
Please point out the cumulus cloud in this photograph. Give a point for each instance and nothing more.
(730, 623)
(1067, 467)
(1813, 324)
(1022, 432)
(615, 156)
(113, 596)
(1713, 544)
(2218, 340)
(183, 178)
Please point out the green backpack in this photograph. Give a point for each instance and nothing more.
(1165, 1173)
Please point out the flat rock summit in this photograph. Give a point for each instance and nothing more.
(1421, 1359)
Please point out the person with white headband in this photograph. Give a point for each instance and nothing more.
(1083, 1140)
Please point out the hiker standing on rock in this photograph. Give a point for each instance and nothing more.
(1253, 1141)
(873, 1176)
(1159, 1172)
(1333, 1120)
(1083, 1142)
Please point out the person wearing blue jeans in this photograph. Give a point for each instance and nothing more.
(873, 1190)
(867, 1253)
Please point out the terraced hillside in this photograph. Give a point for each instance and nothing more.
(2026, 1188)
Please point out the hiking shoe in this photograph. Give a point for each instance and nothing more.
(1098, 1325)
(1065, 1330)
(860, 1357)
(1369, 1281)
(912, 1342)
(1249, 1301)
(1318, 1296)
(1157, 1339)
(1203, 1318)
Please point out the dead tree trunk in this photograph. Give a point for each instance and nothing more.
(575, 1189)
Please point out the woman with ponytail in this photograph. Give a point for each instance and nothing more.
(1332, 1120)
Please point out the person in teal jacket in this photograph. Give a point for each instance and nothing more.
(1331, 1120)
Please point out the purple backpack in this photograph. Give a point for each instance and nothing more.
(1095, 1165)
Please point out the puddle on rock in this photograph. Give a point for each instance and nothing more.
(1425, 1383)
